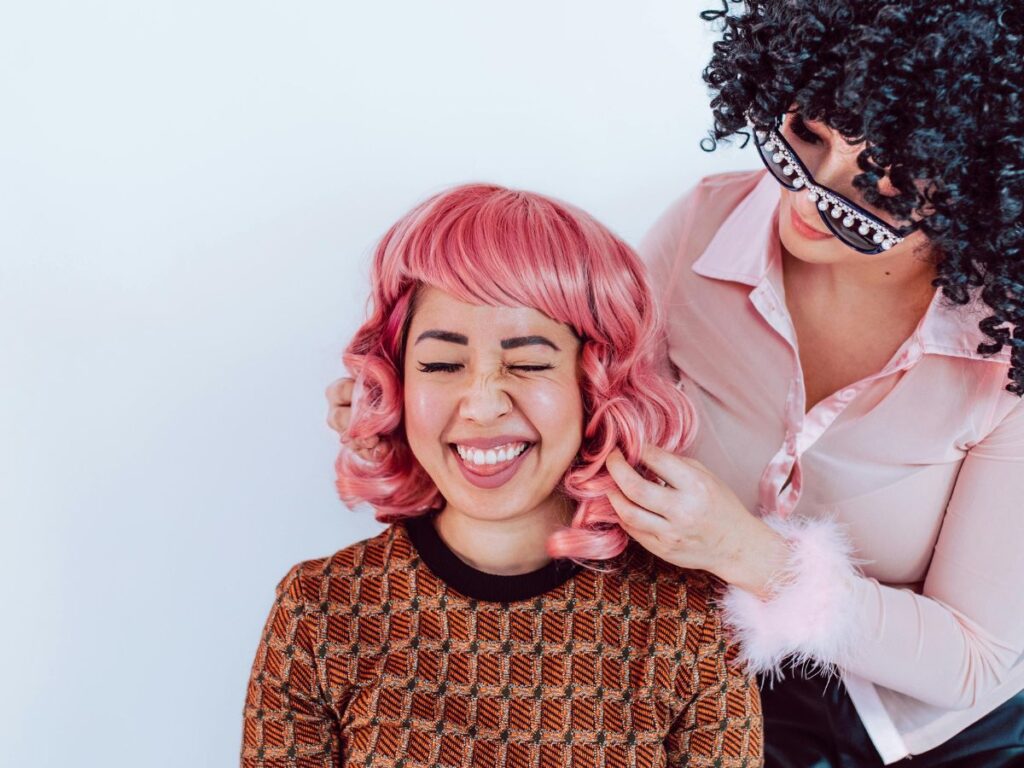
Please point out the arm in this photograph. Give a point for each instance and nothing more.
(947, 646)
(288, 719)
(722, 725)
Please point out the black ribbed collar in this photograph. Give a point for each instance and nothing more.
(461, 576)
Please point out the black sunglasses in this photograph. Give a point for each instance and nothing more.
(851, 224)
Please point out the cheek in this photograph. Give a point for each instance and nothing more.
(426, 415)
(557, 412)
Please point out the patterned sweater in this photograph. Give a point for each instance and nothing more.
(394, 653)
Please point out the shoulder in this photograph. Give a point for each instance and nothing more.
(689, 594)
(687, 226)
(333, 577)
(708, 203)
(729, 186)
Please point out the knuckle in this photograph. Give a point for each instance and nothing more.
(633, 485)
(336, 420)
(703, 486)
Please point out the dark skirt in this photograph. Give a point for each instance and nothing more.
(810, 722)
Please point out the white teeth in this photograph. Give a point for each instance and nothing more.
(498, 455)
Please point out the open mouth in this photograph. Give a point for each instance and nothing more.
(490, 467)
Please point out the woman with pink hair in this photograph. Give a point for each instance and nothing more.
(504, 617)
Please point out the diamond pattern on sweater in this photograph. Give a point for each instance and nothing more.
(369, 659)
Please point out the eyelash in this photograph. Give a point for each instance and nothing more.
(453, 367)
(802, 131)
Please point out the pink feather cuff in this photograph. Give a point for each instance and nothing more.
(809, 617)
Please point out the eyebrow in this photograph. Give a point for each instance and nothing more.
(527, 341)
(454, 338)
(514, 343)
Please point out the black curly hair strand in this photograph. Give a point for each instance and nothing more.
(935, 90)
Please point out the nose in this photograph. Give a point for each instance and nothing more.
(835, 165)
(836, 170)
(485, 399)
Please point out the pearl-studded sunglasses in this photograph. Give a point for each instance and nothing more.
(850, 223)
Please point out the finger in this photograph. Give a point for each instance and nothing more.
(655, 498)
(339, 392)
(338, 418)
(673, 469)
(368, 445)
(649, 542)
(370, 449)
(635, 519)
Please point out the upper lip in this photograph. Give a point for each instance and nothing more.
(485, 443)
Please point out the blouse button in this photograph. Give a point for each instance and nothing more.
(848, 394)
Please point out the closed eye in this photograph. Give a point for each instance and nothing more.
(439, 367)
(802, 132)
(453, 367)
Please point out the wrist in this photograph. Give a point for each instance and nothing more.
(761, 556)
(799, 606)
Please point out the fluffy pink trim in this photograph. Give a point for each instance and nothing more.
(808, 619)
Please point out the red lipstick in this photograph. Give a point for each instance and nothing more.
(804, 229)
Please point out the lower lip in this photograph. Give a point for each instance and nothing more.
(492, 479)
(802, 229)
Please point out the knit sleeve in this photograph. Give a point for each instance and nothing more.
(721, 727)
(288, 717)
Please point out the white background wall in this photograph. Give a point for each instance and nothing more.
(189, 192)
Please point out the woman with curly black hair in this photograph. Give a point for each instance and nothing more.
(849, 322)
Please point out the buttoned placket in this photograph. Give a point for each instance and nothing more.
(781, 482)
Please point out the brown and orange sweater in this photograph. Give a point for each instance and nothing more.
(394, 653)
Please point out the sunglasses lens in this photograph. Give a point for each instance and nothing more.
(861, 234)
(854, 232)
(775, 161)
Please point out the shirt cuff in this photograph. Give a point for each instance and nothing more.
(808, 617)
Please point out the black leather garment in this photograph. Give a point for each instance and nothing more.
(810, 722)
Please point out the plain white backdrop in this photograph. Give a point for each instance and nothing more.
(189, 193)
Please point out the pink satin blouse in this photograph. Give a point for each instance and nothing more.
(922, 462)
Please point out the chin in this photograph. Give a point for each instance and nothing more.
(490, 506)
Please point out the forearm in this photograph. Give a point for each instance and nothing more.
(917, 646)
(818, 607)
(796, 602)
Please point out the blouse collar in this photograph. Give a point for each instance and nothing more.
(746, 249)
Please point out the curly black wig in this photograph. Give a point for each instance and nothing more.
(935, 89)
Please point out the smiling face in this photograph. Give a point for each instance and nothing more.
(833, 164)
(492, 404)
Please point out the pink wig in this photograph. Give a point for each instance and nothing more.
(489, 245)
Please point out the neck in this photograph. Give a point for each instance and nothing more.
(897, 274)
(505, 547)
